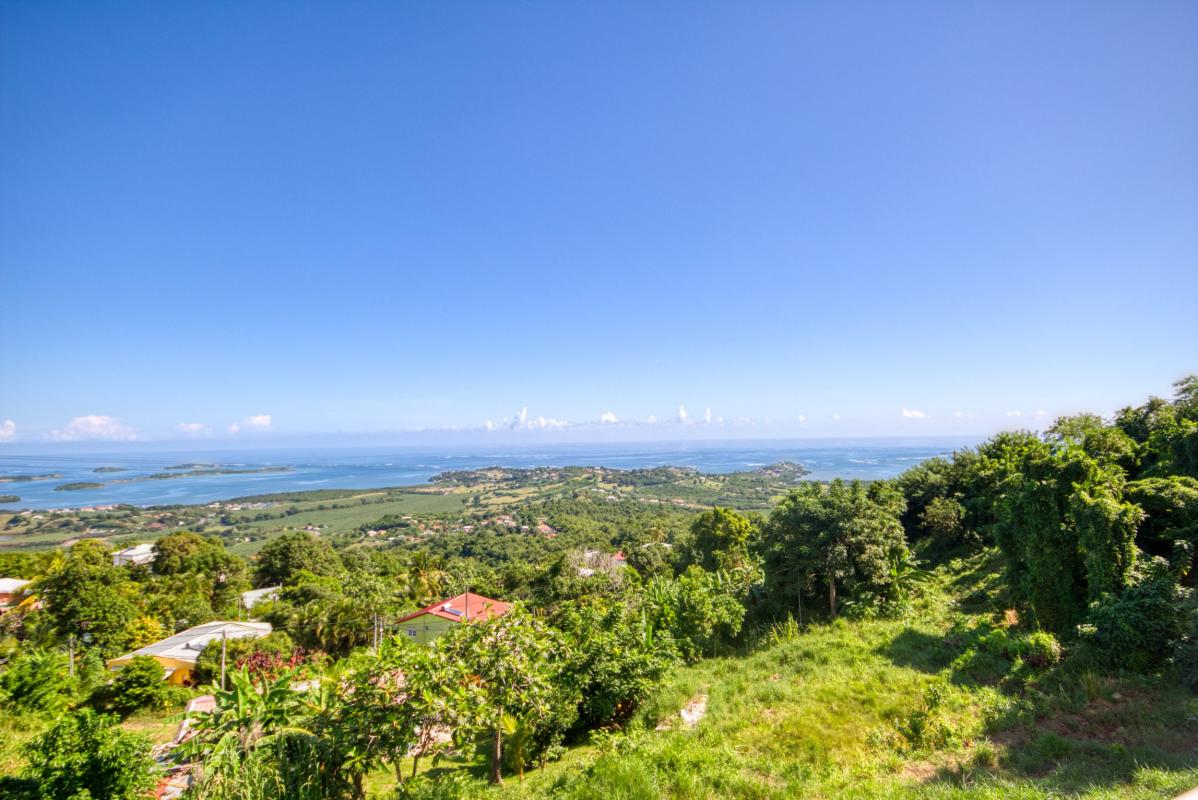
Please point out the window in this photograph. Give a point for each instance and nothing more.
(412, 633)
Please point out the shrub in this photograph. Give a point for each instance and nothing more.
(37, 680)
(1185, 656)
(141, 684)
(87, 755)
(1138, 629)
(1040, 649)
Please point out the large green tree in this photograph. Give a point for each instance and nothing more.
(283, 558)
(88, 598)
(841, 535)
(720, 539)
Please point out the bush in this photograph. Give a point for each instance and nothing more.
(1040, 649)
(87, 755)
(1138, 629)
(1185, 656)
(37, 680)
(141, 684)
(268, 657)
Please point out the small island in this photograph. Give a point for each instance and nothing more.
(110, 469)
(9, 498)
(26, 478)
(77, 486)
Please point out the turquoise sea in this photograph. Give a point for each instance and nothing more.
(372, 467)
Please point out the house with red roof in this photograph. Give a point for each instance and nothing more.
(429, 623)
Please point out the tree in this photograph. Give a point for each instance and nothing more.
(1170, 526)
(842, 535)
(697, 609)
(613, 660)
(719, 539)
(508, 659)
(393, 703)
(284, 557)
(944, 518)
(87, 755)
(88, 598)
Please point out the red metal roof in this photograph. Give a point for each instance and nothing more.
(466, 606)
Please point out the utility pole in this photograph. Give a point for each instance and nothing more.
(224, 646)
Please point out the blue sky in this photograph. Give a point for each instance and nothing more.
(289, 219)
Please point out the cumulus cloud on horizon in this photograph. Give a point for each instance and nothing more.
(683, 416)
(608, 418)
(1014, 413)
(911, 413)
(8, 430)
(258, 422)
(94, 427)
(193, 428)
(964, 414)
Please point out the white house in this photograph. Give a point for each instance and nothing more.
(178, 654)
(255, 596)
(12, 591)
(137, 554)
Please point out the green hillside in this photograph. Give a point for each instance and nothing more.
(918, 707)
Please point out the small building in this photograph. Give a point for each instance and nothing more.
(178, 654)
(12, 591)
(429, 623)
(137, 554)
(255, 596)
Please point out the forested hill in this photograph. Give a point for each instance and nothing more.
(1017, 620)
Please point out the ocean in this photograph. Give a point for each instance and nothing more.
(366, 467)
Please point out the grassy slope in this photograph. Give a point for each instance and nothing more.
(817, 716)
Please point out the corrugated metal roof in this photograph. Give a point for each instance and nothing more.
(9, 585)
(187, 645)
(467, 606)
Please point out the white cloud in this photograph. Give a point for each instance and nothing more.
(682, 415)
(489, 425)
(835, 417)
(802, 419)
(911, 413)
(542, 423)
(652, 420)
(8, 430)
(193, 428)
(608, 418)
(94, 426)
(964, 414)
(1041, 413)
(258, 422)
(1014, 413)
(707, 416)
(521, 418)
